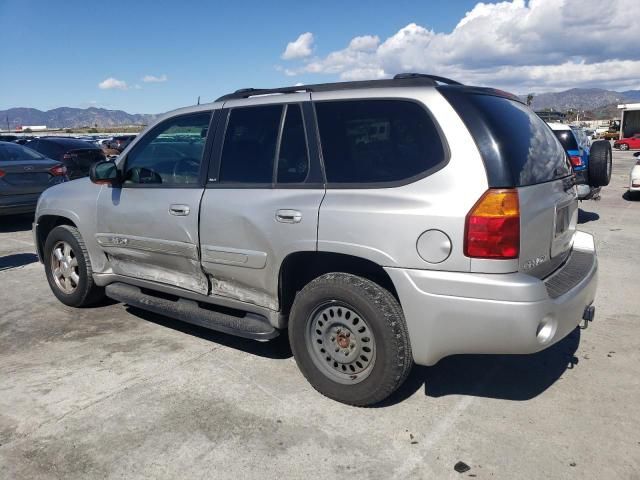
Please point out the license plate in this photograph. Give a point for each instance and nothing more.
(563, 219)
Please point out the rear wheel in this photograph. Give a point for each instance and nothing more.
(349, 338)
(624, 146)
(600, 164)
(68, 268)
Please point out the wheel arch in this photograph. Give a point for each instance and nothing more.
(45, 224)
(299, 268)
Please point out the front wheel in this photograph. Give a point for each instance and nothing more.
(349, 338)
(68, 268)
(624, 146)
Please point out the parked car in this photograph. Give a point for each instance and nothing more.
(381, 223)
(24, 175)
(629, 143)
(8, 138)
(120, 142)
(634, 176)
(23, 140)
(591, 164)
(77, 155)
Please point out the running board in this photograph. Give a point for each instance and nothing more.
(250, 325)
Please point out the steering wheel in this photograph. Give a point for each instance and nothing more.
(186, 170)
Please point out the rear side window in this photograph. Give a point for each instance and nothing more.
(567, 139)
(250, 144)
(517, 146)
(293, 158)
(377, 141)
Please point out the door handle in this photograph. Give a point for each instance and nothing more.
(288, 216)
(179, 210)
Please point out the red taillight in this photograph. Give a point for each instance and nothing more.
(58, 170)
(492, 228)
(576, 161)
(2, 174)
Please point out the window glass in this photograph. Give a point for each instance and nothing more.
(14, 152)
(293, 160)
(170, 154)
(372, 141)
(250, 144)
(567, 139)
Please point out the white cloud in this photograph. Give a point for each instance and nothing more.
(300, 48)
(154, 79)
(523, 46)
(112, 83)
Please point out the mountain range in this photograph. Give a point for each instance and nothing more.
(599, 103)
(66, 117)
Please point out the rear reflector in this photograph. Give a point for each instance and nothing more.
(492, 228)
(58, 170)
(576, 161)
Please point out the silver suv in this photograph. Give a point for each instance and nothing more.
(381, 223)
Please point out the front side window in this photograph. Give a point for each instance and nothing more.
(171, 154)
(250, 143)
(377, 141)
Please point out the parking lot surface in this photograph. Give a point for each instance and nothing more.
(113, 392)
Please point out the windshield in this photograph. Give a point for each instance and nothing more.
(567, 139)
(10, 152)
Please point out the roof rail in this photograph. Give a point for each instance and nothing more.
(448, 81)
(401, 80)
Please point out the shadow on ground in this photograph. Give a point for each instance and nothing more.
(16, 223)
(277, 349)
(631, 196)
(505, 377)
(17, 260)
(585, 217)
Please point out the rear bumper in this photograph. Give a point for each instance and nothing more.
(451, 313)
(16, 204)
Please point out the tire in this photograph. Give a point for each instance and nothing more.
(624, 146)
(365, 323)
(70, 277)
(600, 164)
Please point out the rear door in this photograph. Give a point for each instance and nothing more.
(262, 198)
(521, 151)
(148, 227)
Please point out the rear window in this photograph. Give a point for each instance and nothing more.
(12, 153)
(567, 139)
(518, 147)
(377, 141)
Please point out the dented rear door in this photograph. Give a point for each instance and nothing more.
(262, 198)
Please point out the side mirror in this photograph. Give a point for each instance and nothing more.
(104, 173)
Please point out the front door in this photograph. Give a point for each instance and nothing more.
(148, 227)
(263, 197)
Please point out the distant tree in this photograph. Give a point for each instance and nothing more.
(530, 99)
(93, 130)
(95, 125)
(68, 130)
(27, 130)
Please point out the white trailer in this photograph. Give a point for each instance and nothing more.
(629, 119)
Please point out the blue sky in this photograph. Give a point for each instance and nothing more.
(60, 52)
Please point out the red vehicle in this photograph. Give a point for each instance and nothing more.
(628, 143)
